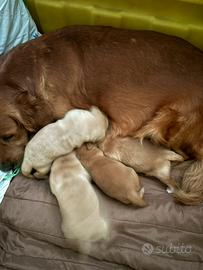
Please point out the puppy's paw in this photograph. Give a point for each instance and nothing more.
(29, 176)
(40, 176)
(29, 171)
(41, 172)
(26, 169)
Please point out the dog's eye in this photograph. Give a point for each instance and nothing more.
(7, 138)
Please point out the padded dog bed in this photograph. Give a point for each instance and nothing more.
(163, 235)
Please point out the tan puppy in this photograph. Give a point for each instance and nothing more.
(79, 205)
(114, 178)
(61, 137)
(145, 157)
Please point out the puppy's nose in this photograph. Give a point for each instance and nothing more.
(6, 166)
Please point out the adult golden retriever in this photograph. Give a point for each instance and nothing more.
(148, 84)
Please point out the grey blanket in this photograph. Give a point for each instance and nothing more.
(164, 235)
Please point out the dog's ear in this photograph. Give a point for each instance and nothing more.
(12, 111)
(21, 112)
(34, 113)
(8, 125)
(26, 104)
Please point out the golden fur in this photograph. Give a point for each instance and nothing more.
(148, 84)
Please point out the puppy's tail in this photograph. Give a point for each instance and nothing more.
(191, 190)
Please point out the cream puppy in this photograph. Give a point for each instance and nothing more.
(79, 205)
(60, 138)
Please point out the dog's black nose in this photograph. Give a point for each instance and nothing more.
(6, 166)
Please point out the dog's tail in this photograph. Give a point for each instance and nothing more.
(191, 190)
(187, 198)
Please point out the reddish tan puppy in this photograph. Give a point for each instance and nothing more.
(144, 157)
(114, 178)
(148, 84)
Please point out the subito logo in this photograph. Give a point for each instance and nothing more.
(147, 249)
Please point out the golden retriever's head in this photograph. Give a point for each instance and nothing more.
(23, 108)
(21, 116)
(13, 139)
(13, 129)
